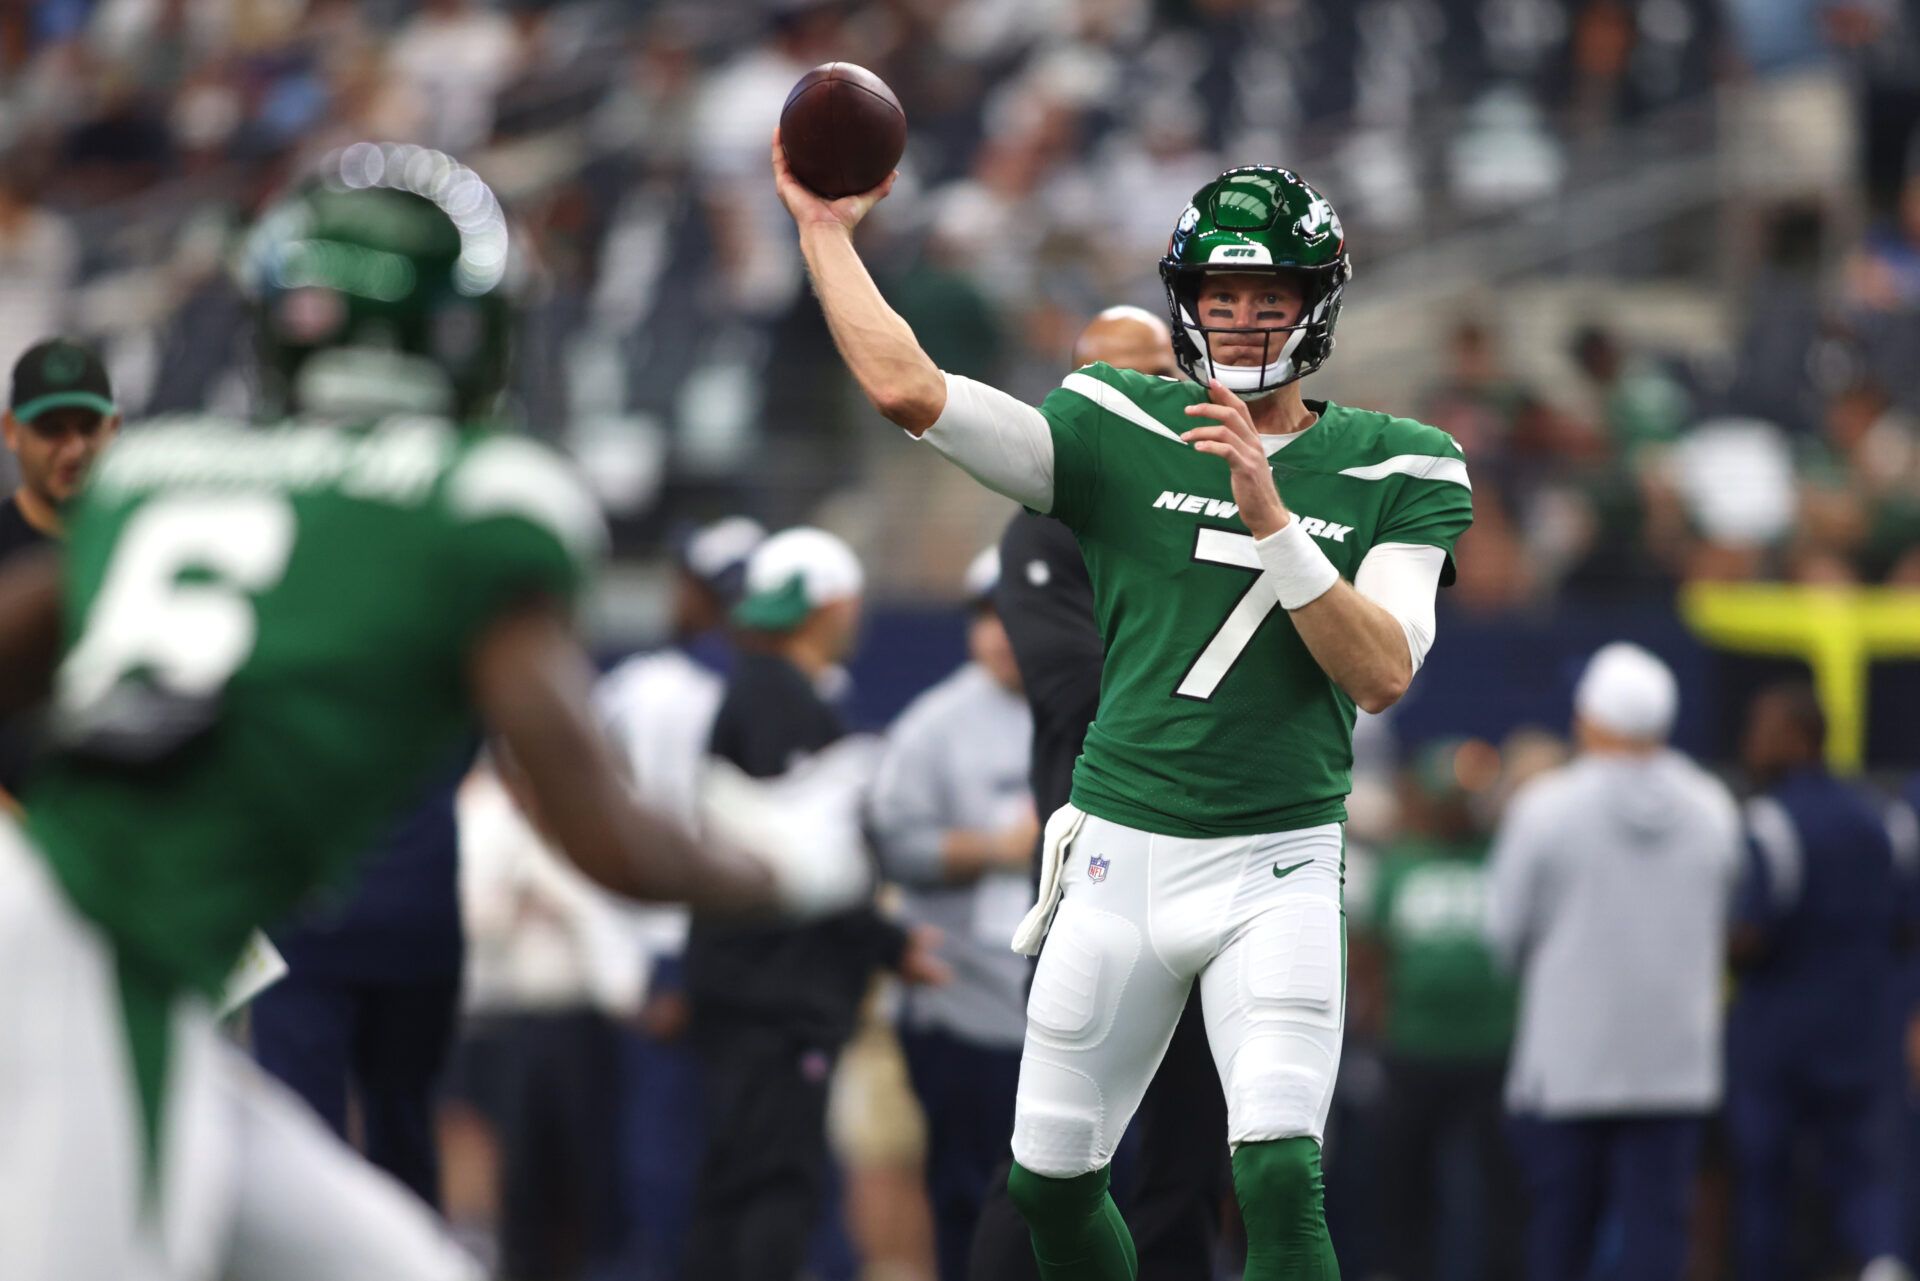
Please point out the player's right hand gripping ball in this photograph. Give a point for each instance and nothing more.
(843, 130)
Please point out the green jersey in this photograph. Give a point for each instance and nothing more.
(266, 633)
(1445, 997)
(1214, 719)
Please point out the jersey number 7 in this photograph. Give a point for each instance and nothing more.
(1223, 547)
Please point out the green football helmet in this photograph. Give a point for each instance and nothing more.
(379, 285)
(1257, 219)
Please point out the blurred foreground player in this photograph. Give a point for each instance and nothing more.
(1046, 602)
(60, 415)
(264, 638)
(1244, 627)
(1821, 923)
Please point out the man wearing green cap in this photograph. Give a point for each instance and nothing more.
(1263, 565)
(59, 417)
(774, 1003)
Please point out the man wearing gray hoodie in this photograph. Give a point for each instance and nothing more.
(1610, 885)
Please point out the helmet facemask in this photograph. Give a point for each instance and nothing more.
(1288, 352)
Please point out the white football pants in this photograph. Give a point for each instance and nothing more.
(1256, 919)
(251, 1186)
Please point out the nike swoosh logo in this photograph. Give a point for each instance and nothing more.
(1287, 871)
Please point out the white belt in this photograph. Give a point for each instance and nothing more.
(1062, 826)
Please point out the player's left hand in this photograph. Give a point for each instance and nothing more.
(1234, 438)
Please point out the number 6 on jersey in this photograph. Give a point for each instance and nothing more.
(189, 635)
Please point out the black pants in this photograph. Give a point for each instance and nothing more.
(1436, 1109)
(756, 1200)
(966, 1092)
(549, 1085)
(384, 1042)
(1173, 1209)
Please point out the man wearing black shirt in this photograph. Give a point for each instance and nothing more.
(1045, 600)
(60, 415)
(773, 1004)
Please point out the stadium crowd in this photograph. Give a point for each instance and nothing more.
(669, 344)
(1769, 434)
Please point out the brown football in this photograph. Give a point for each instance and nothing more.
(842, 129)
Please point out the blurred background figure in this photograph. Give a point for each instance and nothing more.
(1448, 1013)
(553, 961)
(1822, 924)
(361, 1025)
(659, 707)
(955, 825)
(773, 1005)
(1608, 896)
(60, 415)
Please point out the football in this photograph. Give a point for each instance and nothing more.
(842, 129)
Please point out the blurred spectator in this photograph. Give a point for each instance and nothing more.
(1608, 895)
(1477, 401)
(60, 415)
(1823, 914)
(553, 957)
(1860, 496)
(659, 709)
(773, 1005)
(456, 56)
(362, 1024)
(955, 827)
(1885, 274)
(1448, 1023)
(1640, 403)
(939, 297)
(39, 256)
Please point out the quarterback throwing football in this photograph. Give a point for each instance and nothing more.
(1262, 564)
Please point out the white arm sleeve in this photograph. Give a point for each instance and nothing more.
(1003, 443)
(1402, 579)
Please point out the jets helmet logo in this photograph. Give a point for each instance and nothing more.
(1319, 222)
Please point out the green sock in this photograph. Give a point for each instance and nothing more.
(1078, 1234)
(1279, 1187)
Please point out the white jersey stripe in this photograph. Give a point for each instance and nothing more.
(1419, 466)
(1116, 402)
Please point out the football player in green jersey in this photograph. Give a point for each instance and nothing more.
(265, 637)
(1261, 564)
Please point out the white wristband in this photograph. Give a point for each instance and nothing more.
(1301, 571)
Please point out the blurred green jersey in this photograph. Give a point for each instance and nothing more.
(266, 637)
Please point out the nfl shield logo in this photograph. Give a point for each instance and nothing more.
(1096, 868)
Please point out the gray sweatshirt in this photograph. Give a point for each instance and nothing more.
(1609, 889)
(957, 759)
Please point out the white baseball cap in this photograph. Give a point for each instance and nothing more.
(1627, 690)
(793, 573)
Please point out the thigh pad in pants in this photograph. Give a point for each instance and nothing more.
(1275, 1003)
(1098, 1020)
